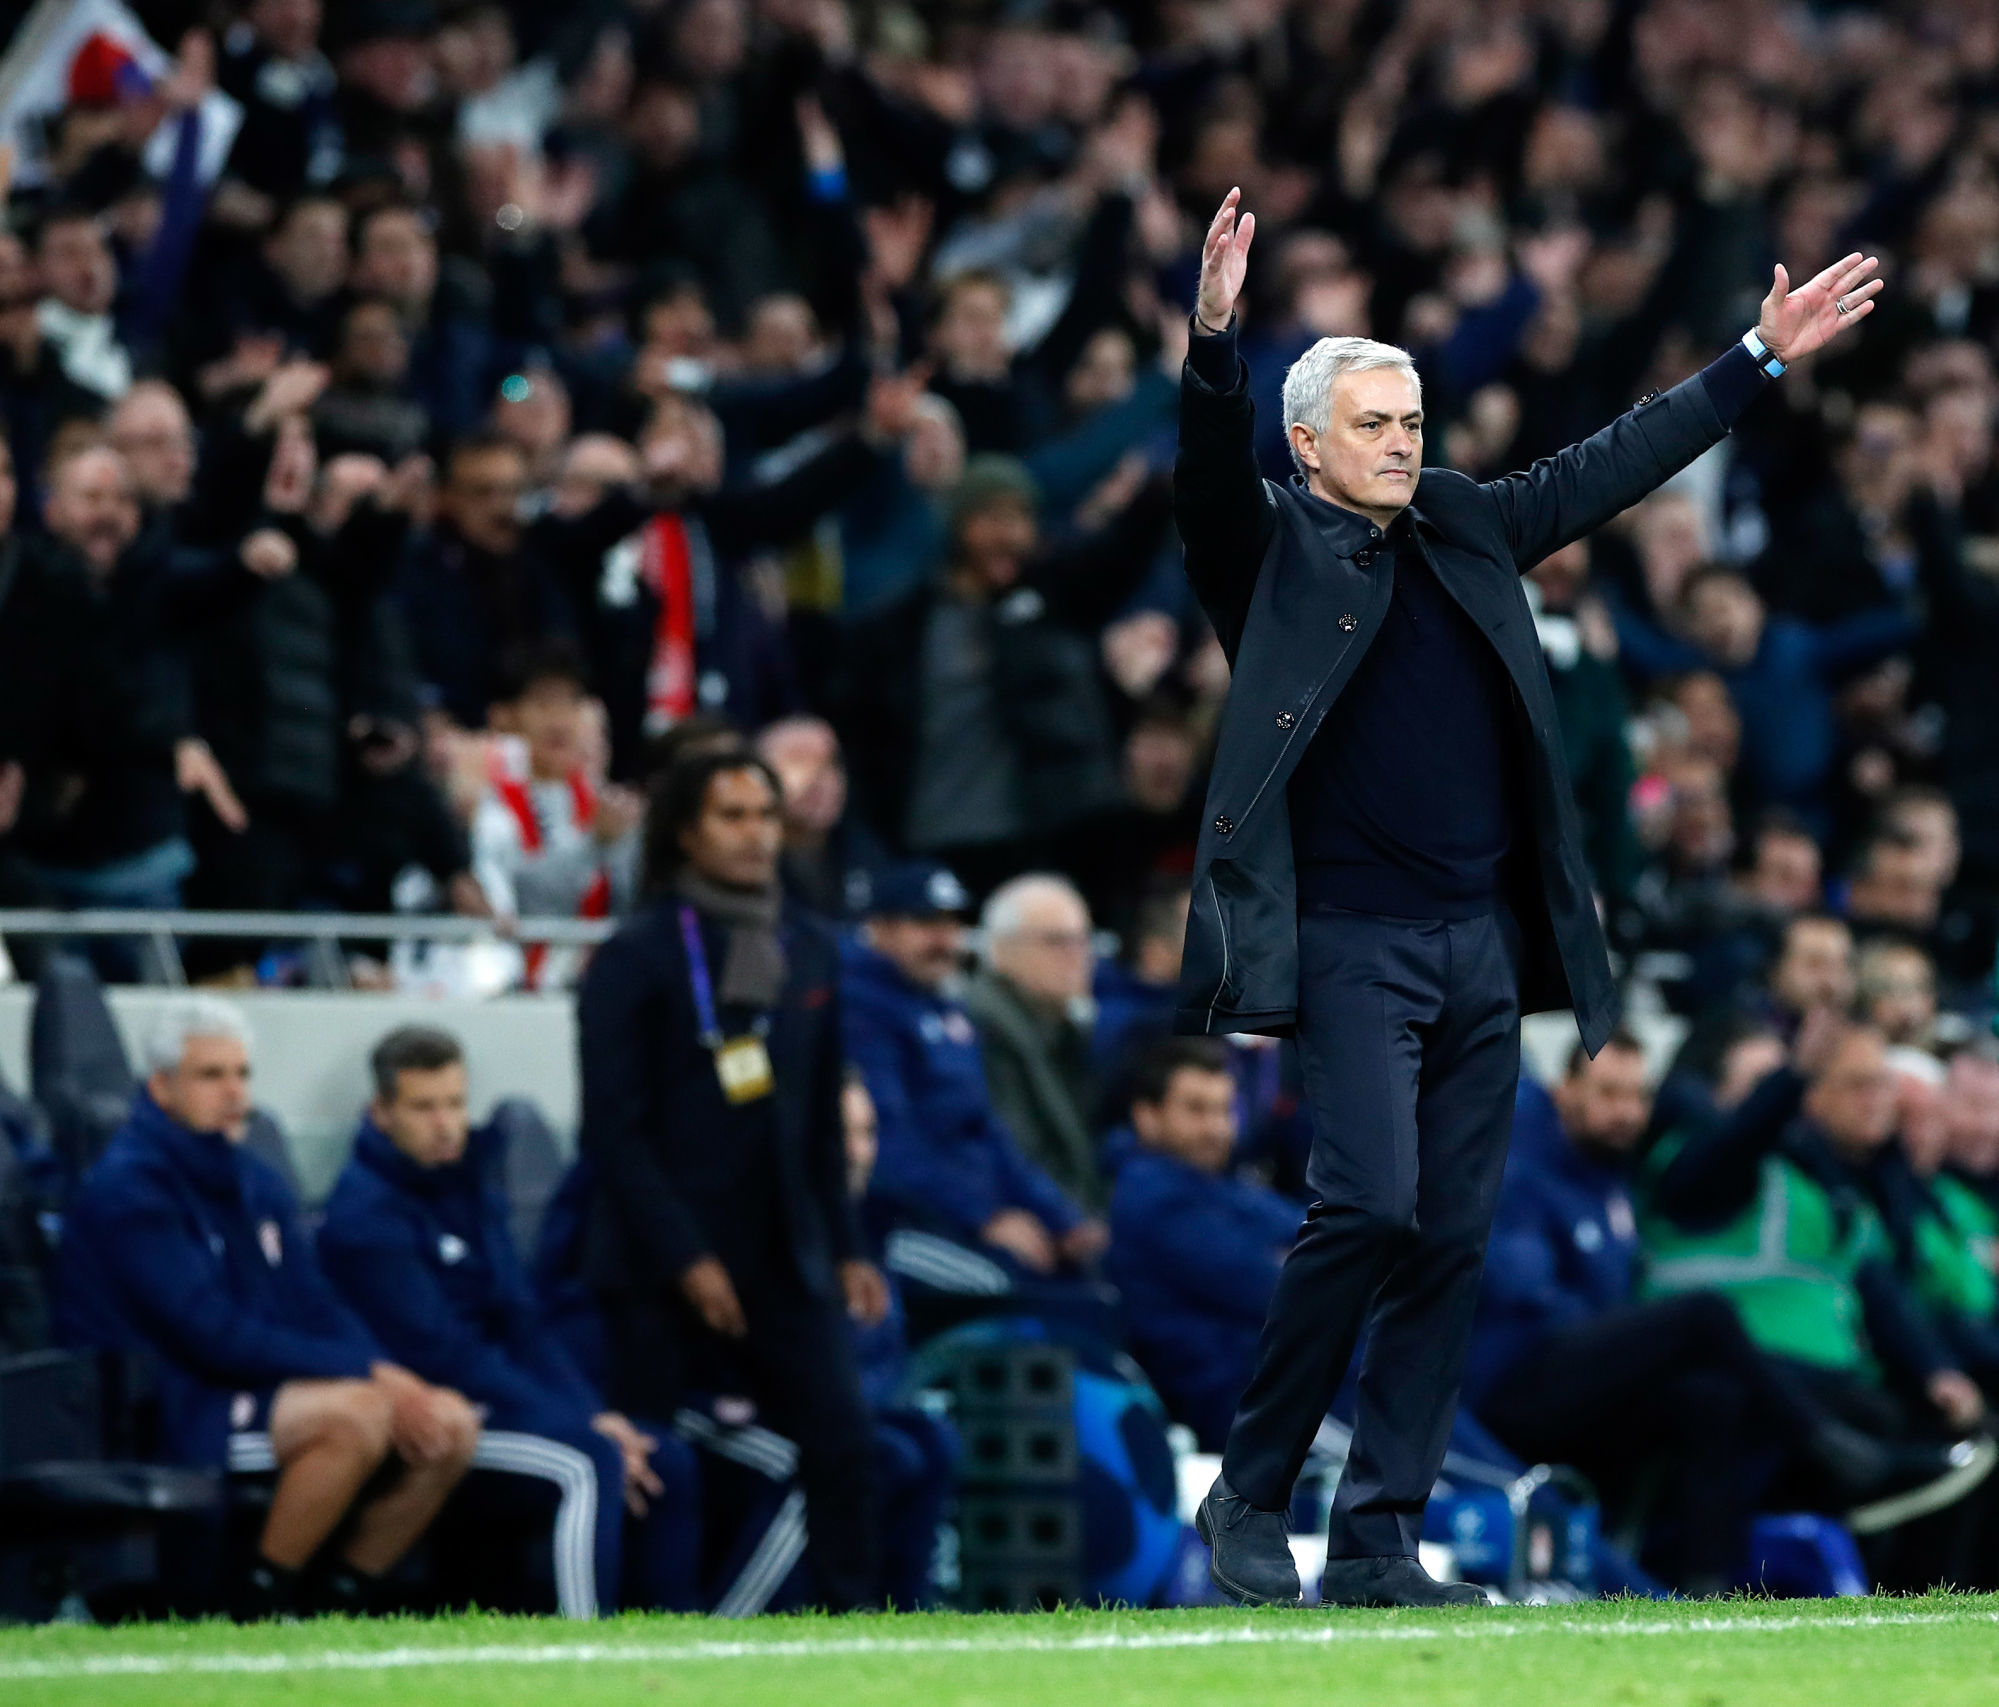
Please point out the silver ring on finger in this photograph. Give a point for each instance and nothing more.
(1839, 302)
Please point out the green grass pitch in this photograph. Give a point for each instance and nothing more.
(1936, 1650)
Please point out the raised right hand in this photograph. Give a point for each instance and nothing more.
(1224, 263)
(713, 1294)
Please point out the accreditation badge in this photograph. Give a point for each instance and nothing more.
(743, 1066)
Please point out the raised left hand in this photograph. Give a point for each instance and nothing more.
(1794, 323)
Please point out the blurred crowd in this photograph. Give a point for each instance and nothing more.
(530, 390)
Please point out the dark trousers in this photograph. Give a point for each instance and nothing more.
(1675, 1379)
(797, 1363)
(917, 1457)
(1409, 1040)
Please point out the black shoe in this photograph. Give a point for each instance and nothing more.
(1249, 1551)
(1392, 1582)
(270, 1593)
(346, 1591)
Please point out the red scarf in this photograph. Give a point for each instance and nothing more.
(596, 902)
(667, 568)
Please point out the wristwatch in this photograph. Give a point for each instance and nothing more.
(1761, 351)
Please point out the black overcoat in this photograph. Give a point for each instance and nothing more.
(1297, 589)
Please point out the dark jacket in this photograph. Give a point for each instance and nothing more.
(947, 1163)
(185, 1245)
(1039, 1074)
(425, 1257)
(1195, 1257)
(680, 1172)
(1046, 678)
(1564, 1245)
(104, 670)
(1290, 583)
(466, 609)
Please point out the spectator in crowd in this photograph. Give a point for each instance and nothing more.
(150, 428)
(550, 838)
(1031, 1003)
(824, 846)
(182, 1244)
(1785, 870)
(101, 613)
(1581, 647)
(474, 591)
(974, 708)
(1195, 1247)
(1780, 671)
(1967, 927)
(416, 1239)
(948, 1165)
(1896, 992)
(1893, 887)
(36, 395)
(1813, 969)
(453, 361)
(292, 290)
(80, 275)
(366, 407)
(1569, 1366)
(720, 1236)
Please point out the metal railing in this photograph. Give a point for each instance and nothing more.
(320, 933)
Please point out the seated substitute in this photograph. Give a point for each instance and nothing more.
(181, 1243)
(719, 1236)
(948, 1164)
(916, 1453)
(416, 1239)
(1195, 1249)
(1568, 1365)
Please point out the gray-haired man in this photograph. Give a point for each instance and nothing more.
(182, 1244)
(1392, 868)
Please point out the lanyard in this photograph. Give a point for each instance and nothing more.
(703, 988)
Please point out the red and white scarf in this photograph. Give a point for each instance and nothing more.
(512, 793)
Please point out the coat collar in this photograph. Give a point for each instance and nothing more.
(376, 1151)
(1348, 532)
(207, 1160)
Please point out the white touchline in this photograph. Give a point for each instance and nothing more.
(834, 1647)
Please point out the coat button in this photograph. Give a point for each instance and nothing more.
(1285, 720)
(1349, 622)
(1364, 558)
(1224, 825)
(1649, 397)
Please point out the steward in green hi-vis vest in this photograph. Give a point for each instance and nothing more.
(1763, 1211)
(1789, 1262)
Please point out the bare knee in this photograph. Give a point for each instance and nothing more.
(349, 1417)
(462, 1426)
(363, 1421)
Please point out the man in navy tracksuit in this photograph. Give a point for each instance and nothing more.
(916, 1453)
(181, 1244)
(1568, 1366)
(416, 1238)
(948, 1165)
(1195, 1251)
